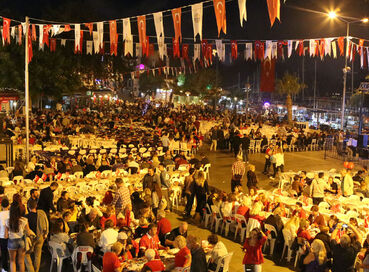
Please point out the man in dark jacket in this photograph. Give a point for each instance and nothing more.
(245, 141)
(45, 201)
(198, 263)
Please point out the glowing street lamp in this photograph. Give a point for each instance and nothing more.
(333, 15)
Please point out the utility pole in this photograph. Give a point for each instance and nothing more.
(315, 85)
(26, 83)
(303, 76)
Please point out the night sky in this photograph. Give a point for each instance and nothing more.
(296, 24)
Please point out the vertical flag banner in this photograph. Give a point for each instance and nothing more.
(289, 49)
(268, 50)
(274, 50)
(127, 37)
(274, 7)
(159, 28)
(204, 44)
(220, 14)
(41, 37)
(197, 20)
(185, 51)
(55, 30)
(176, 52)
(259, 50)
(20, 34)
(141, 23)
(6, 29)
(209, 52)
(100, 31)
(248, 51)
(176, 14)
(67, 28)
(113, 37)
(90, 27)
(334, 49)
(34, 36)
(220, 51)
(52, 45)
(234, 50)
(341, 42)
(328, 46)
(45, 35)
(243, 11)
(77, 36)
(196, 51)
(89, 45)
(267, 75)
(95, 38)
(312, 48)
(280, 49)
(29, 46)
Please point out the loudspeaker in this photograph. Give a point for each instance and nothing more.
(363, 140)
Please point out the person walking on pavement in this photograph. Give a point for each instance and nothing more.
(252, 180)
(214, 139)
(238, 170)
(245, 141)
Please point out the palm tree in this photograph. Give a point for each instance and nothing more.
(289, 85)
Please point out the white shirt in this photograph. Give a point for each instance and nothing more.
(218, 251)
(279, 159)
(348, 186)
(4, 217)
(22, 224)
(107, 238)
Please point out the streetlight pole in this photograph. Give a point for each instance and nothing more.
(345, 76)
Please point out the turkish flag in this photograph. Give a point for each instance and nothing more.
(6, 29)
(301, 48)
(341, 44)
(267, 75)
(234, 51)
(79, 49)
(280, 49)
(322, 48)
(141, 23)
(176, 52)
(34, 36)
(185, 51)
(45, 37)
(90, 27)
(220, 14)
(29, 45)
(146, 52)
(259, 50)
(176, 14)
(113, 38)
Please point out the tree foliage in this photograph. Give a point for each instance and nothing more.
(149, 83)
(289, 85)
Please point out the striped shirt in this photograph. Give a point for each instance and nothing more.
(122, 198)
(238, 168)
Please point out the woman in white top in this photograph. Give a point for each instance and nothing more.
(108, 237)
(219, 250)
(62, 238)
(16, 228)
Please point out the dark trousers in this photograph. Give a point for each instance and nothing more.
(235, 183)
(267, 166)
(190, 198)
(245, 155)
(277, 168)
(317, 200)
(4, 254)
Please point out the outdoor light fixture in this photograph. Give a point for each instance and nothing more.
(332, 14)
(365, 20)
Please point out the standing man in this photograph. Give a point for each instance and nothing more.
(152, 181)
(238, 170)
(245, 141)
(34, 196)
(252, 180)
(122, 196)
(39, 224)
(318, 185)
(165, 142)
(214, 139)
(268, 154)
(165, 185)
(46, 200)
(347, 185)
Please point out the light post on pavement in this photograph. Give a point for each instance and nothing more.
(346, 69)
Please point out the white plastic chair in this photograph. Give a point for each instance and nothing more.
(207, 216)
(241, 226)
(288, 241)
(216, 219)
(224, 262)
(251, 224)
(56, 250)
(85, 260)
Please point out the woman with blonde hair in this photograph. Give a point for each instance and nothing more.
(316, 260)
(183, 257)
(292, 225)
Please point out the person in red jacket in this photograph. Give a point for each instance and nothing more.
(253, 256)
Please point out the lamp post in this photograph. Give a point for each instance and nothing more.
(346, 69)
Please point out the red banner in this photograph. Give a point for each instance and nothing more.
(234, 51)
(6, 29)
(176, 14)
(220, 14)
(267, 75)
